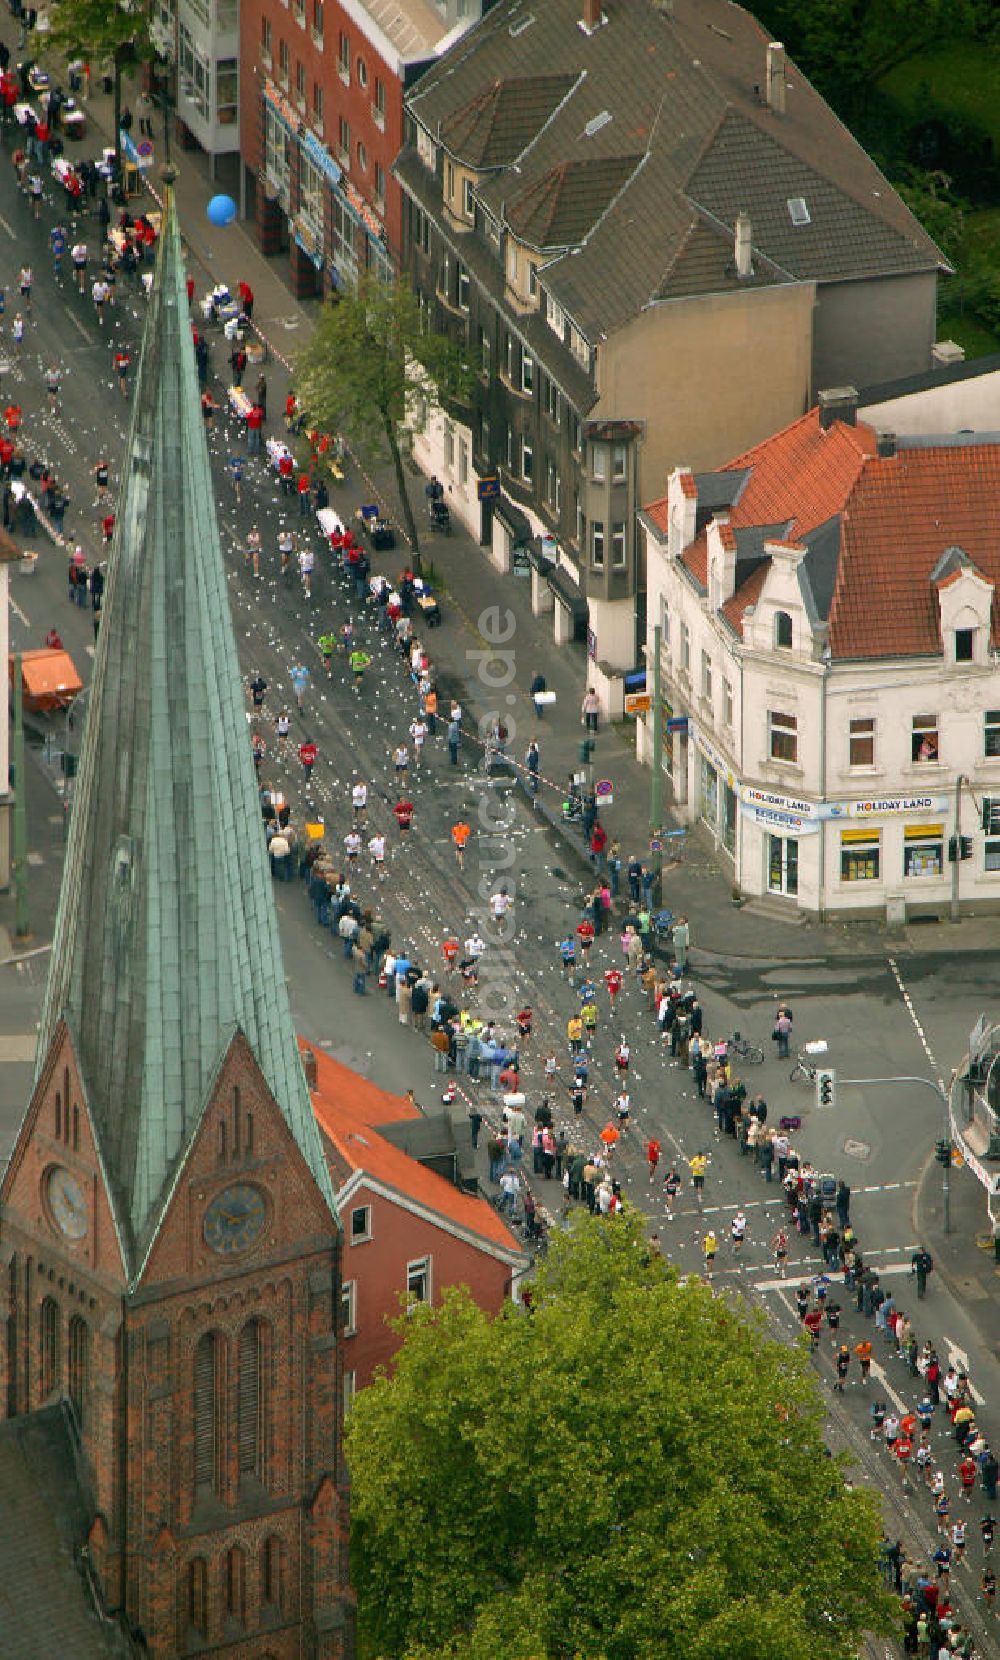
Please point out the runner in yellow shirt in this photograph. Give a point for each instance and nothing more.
(698, 1165)
(710, 1245)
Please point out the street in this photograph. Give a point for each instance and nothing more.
(884, 1013)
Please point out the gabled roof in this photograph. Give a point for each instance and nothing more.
(493, 128)
(349, 1109)
(161, 953)
(681, 89)
(557, 209)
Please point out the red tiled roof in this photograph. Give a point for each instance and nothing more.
(904, 511)
(687, 485)
(801, 475)
(349, 1109)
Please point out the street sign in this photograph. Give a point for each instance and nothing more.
(488, 487)
(677, 723)
(655, 845)
(603, 787)
(638, 703)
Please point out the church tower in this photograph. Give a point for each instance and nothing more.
(169, 1242)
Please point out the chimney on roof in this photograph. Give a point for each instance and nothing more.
(838, 403)
(886, 445)
(592, 17)
(776, 77)
(744, 250)
(309, 1068)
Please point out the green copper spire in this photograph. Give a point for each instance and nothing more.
(166, 939)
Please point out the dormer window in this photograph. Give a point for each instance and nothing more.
(783, 630)
(965, 645)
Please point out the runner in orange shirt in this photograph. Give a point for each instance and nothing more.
(460, 834)
(863, 1350)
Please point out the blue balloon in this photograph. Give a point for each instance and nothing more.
(222, 210)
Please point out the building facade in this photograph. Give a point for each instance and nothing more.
(9, 555)
(613, 205)
(169, 1237)
(321, 122)
(829, 666)
(414, 1220)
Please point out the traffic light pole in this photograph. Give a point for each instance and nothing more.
(943, 1096)
(656, 776)
(22, 928)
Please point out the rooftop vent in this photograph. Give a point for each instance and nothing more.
(596, 122)
(593, 17)
(520, 24)
(798, 211)
(775, 77)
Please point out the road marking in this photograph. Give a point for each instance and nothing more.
(918, 1028)
(959, 1359)
(897, 1400)
(19, 614)
(84, 331)
(778, 1285)
(18, 1048)
(8, 227)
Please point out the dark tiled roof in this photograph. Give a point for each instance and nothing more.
(493, 128)
(45, 1607)
(558, 209)
(943, 374)
(822, 562)
(682, 88)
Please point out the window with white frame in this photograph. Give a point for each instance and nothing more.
(552, 401)
(991, 733)
(227, 91)
(619, 461)
(311, 193)
(579, 347)
(361, 1224)
(555, 317)
(379, 185)
(449, 446)
(266, 41)
(727, 702)
(782, 736)
(350, 1389)
(344, 139)
(618, 543)
(344, 58)
(342, 229)
(512, 261)
(449, 179)
(300, 84)
(527, 461)
(685, 648)
(463, 461)
(509, 357)
(550, 483)
(706, 677)
(597, 543)
(924, 746)
(300, 13)
(783, 630)
(463, 288)
(378, 108)
(426, 148)
(527, 372)
(318, 105)
(277, 154)
(664, 624)
(861, 741)
(362, 155)
(284, 62)
(361, 70)
(532, 279)
(349, 1308)
(468, 200)
(991, 828)
(194, 69)
(598, 463)
(418, 1280)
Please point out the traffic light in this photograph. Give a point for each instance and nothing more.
(826, 1089)
(942, 1151)
(586, 751)
(959, 847)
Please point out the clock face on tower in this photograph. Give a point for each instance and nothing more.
(66, 1202)
(235, 1219)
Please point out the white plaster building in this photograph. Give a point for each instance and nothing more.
(830, 664)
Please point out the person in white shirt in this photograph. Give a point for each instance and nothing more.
(499, 906)
(359, 799)
(376, 849)
(400, 759)
(508, 1192)
(738, 1229)
(474, 947)
(352, 845)
(418, 732)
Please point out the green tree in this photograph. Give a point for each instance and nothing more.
(635, 1471)
(104, 31)
(370, 356)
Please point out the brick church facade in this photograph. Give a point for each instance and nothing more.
(169, 1243)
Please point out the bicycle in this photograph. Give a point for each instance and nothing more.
(807, 1062)
(744, 1050)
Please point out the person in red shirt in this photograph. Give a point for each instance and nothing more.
(189, 284)
(108, 527)
(813, 1322)
(286, 468)
(404, 815)
(652, 1156)
(6, 453)
(291, 405)
(121, 370)
(598, 843)
(967, 1476)
(12, 415)
(245, 293)
(307, 755)
(585, 934)
(524, 1020)
(613, 979)
(305, 486)
(255, 421)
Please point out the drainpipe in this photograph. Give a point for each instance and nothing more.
(822, 792)
(959, 781)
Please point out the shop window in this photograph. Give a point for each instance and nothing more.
(923, 850)
(861, 741)
(783, 630)
(924, 739)
(783, 736)
(991, 826)
(859, 855)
